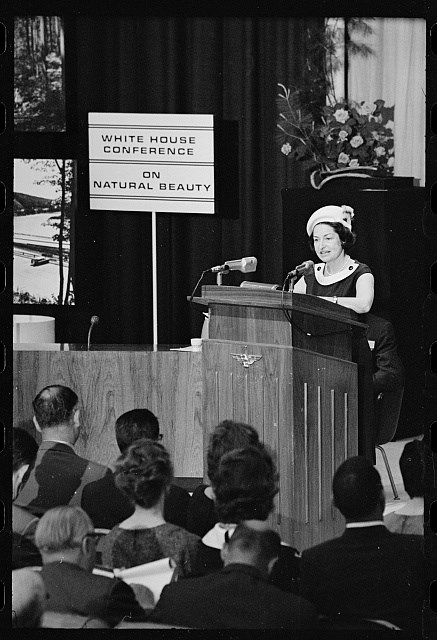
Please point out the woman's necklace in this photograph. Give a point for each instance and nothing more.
(328, 273)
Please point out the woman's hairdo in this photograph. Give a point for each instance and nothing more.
(143, 472)
(347, 237)
(228, 435)
(245, 485)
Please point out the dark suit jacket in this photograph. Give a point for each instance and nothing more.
(57, 477)
(107, 505)
(388, 370)
(237, 597)
(367, 572)
(74, 590)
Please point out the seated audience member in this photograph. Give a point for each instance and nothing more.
(388, 370)
(409, 518)
(144, 473)
(28, 598)
(24, 552)
(368, 572)
(227, 435)
(239, 596)
(58, 474)
(245, 484)
(106, 504)
(66, 540)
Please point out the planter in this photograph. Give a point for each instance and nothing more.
(359, 177)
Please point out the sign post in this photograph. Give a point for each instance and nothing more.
(150, 162)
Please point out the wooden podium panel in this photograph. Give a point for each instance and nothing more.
(284, 364)
(304, 406)
(110, 382)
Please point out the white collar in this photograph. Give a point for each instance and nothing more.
(215, 537)
(319, 272)
(362, 525)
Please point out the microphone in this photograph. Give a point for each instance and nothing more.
(245, 265)
(301, 270)
(94, 320)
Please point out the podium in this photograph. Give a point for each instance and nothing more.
(283, 362)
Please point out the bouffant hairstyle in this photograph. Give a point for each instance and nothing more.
(228, 435)
(412, 466)
(245, 485)
(143, 472)
(347, 237)
(356, 488)
(54, 405)
(134, 425)
(24, 448)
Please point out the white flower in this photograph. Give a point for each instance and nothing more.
(364, 109)
(343, 158)
(375, 135)
(391, 162)
(390, 124)
(286, 148)
(342, 135)
(354, 163)
(380, 151)
(356, 141)
(341, 115)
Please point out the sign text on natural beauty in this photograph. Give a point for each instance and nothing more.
(151, 162)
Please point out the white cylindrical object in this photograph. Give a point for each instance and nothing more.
(35, 329)
(196, 344)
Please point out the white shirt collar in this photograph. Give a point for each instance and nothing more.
(215, 537)
(319, 272)
(362, 525)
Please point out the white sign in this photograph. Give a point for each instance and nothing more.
(151, 162)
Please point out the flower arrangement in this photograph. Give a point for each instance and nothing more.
(347, 135)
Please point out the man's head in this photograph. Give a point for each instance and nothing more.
(357, 490)
(66, 534)
(24, 449)
(245, 485)
(412, 465)
(56, 413)
(135, 425)
(247, 545)
(28, 598)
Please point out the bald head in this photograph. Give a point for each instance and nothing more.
(28, 598)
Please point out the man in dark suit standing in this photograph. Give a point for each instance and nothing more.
(239, 596)
(66, 540)
(388, 370)
(368, 572)
(58, 475)
(106, 504)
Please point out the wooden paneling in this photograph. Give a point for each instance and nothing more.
(296, 400)
(108, 383)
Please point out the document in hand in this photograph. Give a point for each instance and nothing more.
(154, 575)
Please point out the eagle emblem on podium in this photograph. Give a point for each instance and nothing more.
(246, 359)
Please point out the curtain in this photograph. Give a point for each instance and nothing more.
(396, 74)
(229, 67)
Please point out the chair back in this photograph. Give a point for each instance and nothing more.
(388, 409)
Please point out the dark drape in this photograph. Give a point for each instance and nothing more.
(228, 67)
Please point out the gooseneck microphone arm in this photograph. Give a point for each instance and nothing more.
(94, 320)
